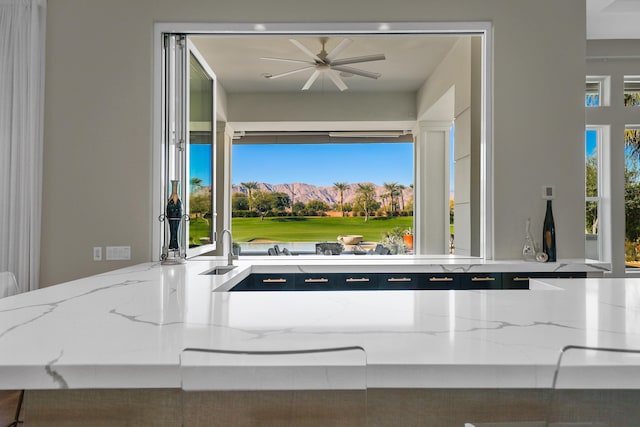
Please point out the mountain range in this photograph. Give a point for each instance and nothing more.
(301, 192)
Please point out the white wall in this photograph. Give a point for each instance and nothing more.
(458, 77)
(98, 113)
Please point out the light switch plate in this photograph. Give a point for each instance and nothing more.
(548, 192)
(97, 253)
(118, 253)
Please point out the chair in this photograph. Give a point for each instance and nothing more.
(586, 391)
(8, 284)
(9, 287)
(312, 387)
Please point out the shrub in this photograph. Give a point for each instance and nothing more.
(244, 214)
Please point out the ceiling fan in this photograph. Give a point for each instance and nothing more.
(327, 64)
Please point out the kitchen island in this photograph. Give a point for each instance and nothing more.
(116, 339)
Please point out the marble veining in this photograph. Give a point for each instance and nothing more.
(128, 328)
(55, 375)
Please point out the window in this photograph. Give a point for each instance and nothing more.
(242, 108)
(632, 196)
(187, 163)
(592, 94)
(593, 143)
(301, 197)
(200, 156)
(631, 91)
(596, 91)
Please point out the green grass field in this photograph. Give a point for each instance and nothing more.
(315, 229)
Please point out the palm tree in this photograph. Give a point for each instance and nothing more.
(383, 197)
(250, 186)
(196, 183)
(341, 187)
(401, 189)
(366, 197)
(392, 189)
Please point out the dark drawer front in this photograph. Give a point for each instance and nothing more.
(315, 282)
(273, 282)
(481, 281)
(244, 285)
(439, 281)
(401, 281)
(521, 280)
(515, 280)
(355, 281)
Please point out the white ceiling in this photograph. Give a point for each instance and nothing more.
(613, 19)
(237, 62)
(409, 59)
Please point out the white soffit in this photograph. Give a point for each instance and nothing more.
(613, 19)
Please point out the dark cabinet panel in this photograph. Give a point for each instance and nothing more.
(266, 282)
(521, 280)
(515, 280)
(439, 281)
(480, 281)
(355, 281)
(314, 282)
(399, 281)
(243, 285)
(392, 281)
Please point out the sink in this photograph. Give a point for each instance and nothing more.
(221, 269)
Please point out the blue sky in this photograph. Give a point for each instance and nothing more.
(591, 142)
(323, 164)
(200, 165)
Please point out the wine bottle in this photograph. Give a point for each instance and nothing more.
(549, 234)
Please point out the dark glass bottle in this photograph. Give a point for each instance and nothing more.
(549, 234)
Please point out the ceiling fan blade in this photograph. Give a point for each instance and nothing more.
(298, 61)
(312, 79)
(288, 73)
(357, 71)
(337, 50)
(337, 80)
(356, 59)
(305, 50)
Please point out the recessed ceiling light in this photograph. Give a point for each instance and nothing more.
(384, 27)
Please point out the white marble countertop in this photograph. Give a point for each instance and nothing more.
(127, 328)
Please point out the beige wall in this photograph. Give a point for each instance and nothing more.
(391, 106)
(98, 113)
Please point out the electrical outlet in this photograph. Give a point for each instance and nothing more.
(97, 253)
(118, 253)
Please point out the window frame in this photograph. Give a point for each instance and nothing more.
(631, 79)
(601, 182)
(604, 93)
(484, 29)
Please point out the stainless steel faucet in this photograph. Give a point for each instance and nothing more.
(230, 255)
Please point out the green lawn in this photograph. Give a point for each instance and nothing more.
(315, 229)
